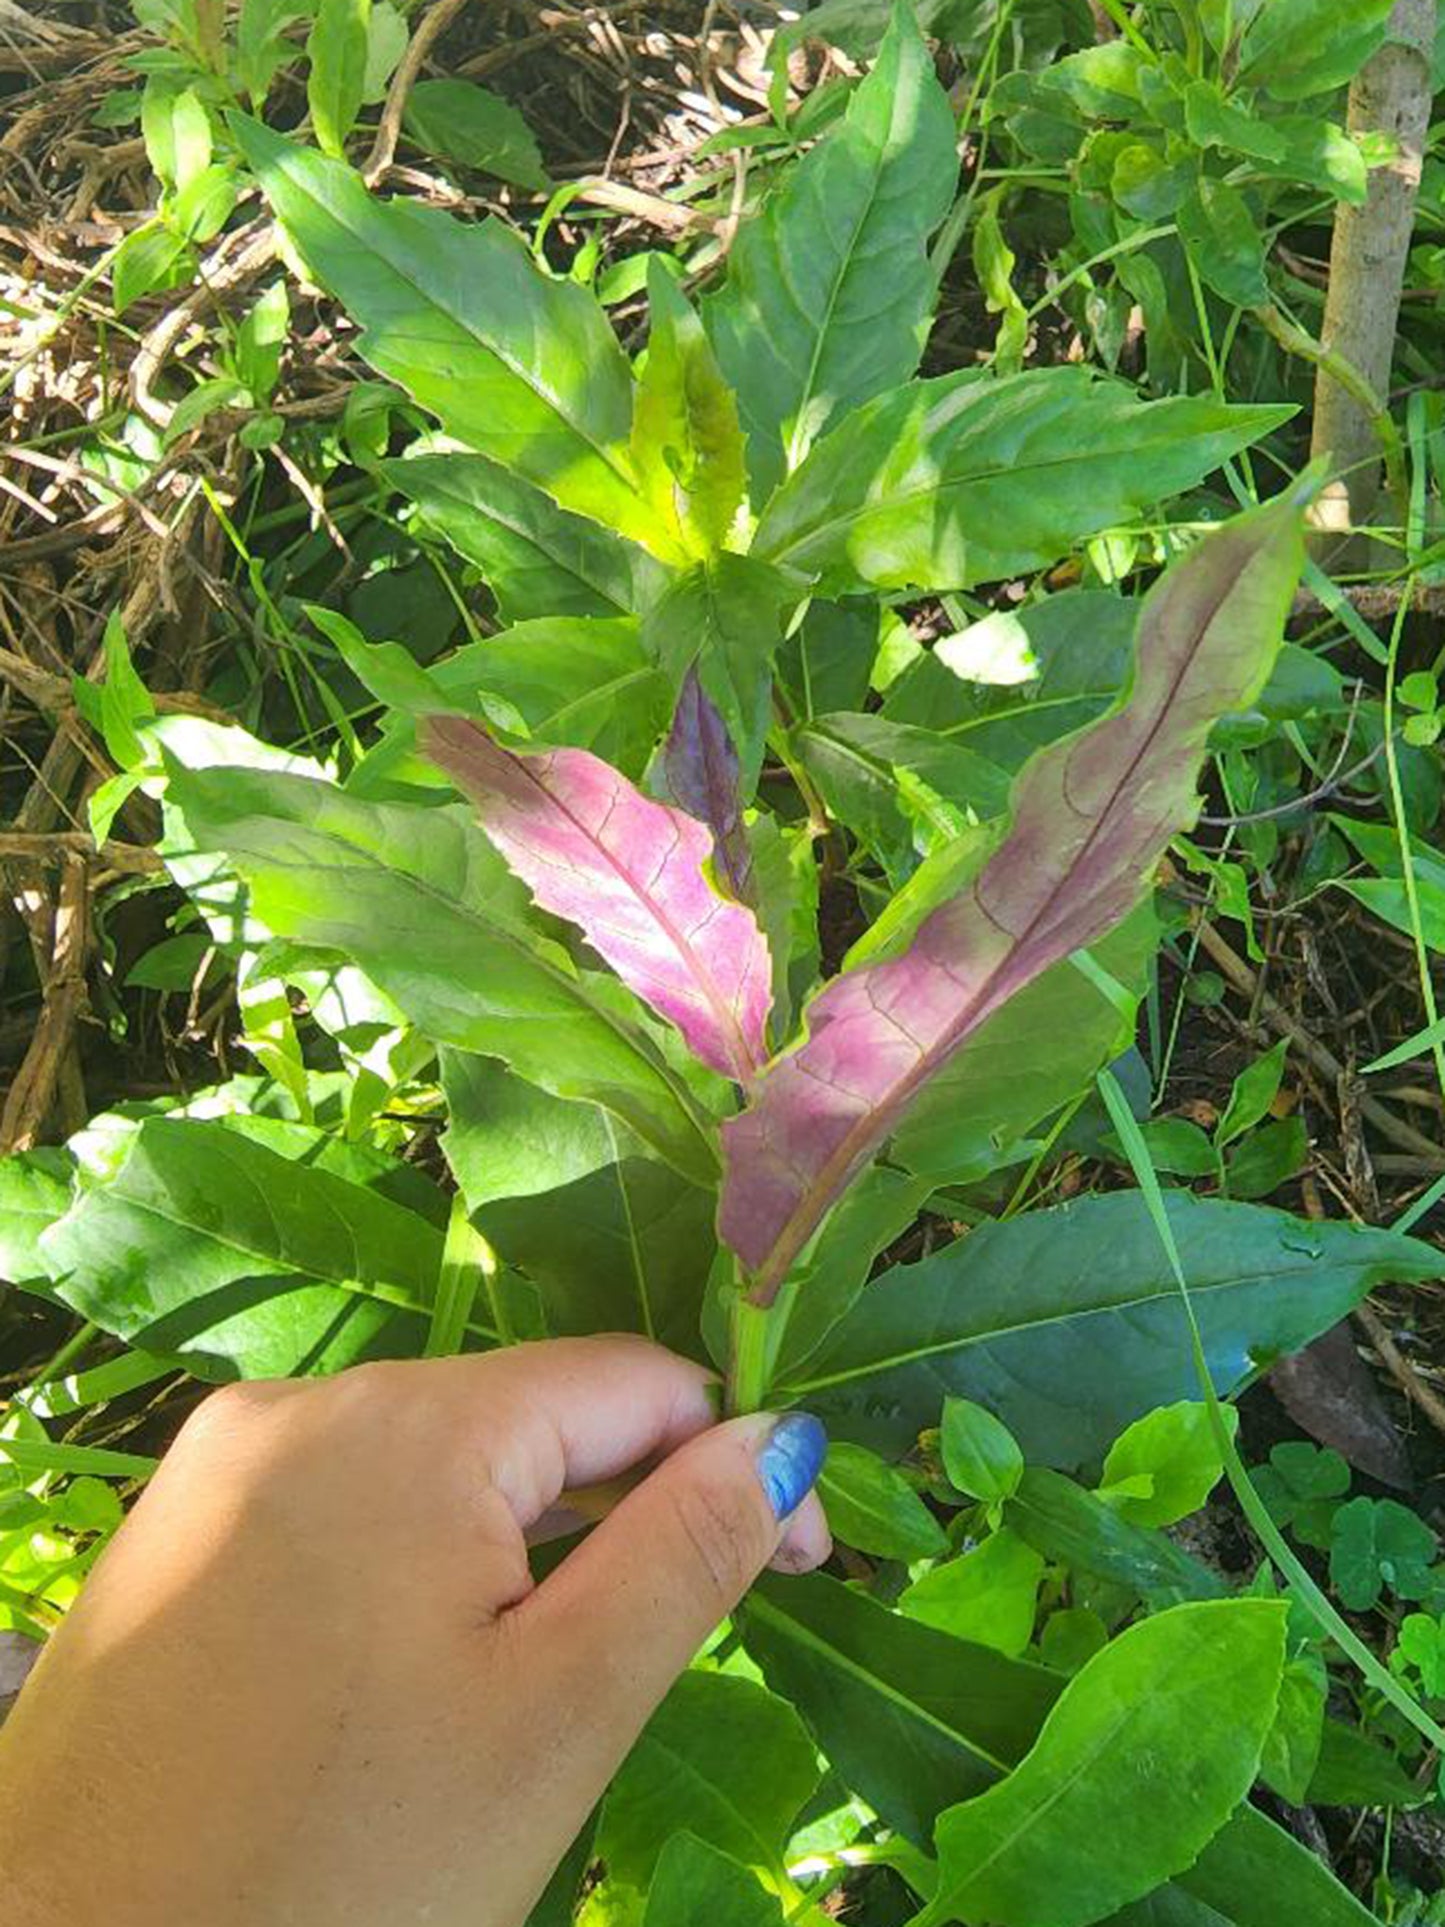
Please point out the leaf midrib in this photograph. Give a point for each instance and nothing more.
(804, 1636)
(606, 454)
(898, 1360)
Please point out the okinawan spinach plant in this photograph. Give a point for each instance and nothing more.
(699, 716)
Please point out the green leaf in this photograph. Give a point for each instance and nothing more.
(626, 1247)
(872, 1507)
(724, 617)
(386, 670)
(989, 1595)
(336, 84)
(1353, 1771)
(1075, 1528)
(537, 559)
(911, 1718)
(508, 1139)
(994, 262)
(124, 698)
(387, 35)
(854, 760)
(687, 447)
(1378, 1545)
(695, 1882)
(1302, 1487)
(262, 48)
(150, 257)
(207, 1242)
(962, 479)
(980, 1456)
(1170, 1459)
(418, 899)
(1071, 1638)
(1268, 1158)
(191, 138)
(522, 368)
(880, 1207)
(34, 1193)
(1255, 1089)
(1224, 243)
(459, 121)
(721, 1759)
(829, 288)
(582, 681)
(1292, 1751)
(1067, 1323)
(1254, 1874)
(1296, 48)
(1180, 1148)
(1137, 1730)
(1420, 1648)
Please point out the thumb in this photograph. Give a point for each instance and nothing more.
(624, 1614)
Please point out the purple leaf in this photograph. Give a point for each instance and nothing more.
(629, 871)
(702, 773)
(1091, 816)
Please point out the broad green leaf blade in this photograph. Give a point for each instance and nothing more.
(420, 901)
(520, 367)
(459, 121)
(34, 1193)
(721, 1759)
(911, 1718)
(960, 480)
(336, 84)
(988, 1595)
(695, 1882)
(208, 1243)
(1067, 1323)
(855, 760)
(536, 558)
(1091, 816)
(687, 447)
(1254, 1874)
(829, 287)
(870, 1505)
(585, 682)
(1076, 1529)
(631, 873)
(506, 1138)
(1138, 1730)
(626, 1247)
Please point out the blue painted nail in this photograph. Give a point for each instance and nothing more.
(791, 1460)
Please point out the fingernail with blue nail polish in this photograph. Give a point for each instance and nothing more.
(791, 1460)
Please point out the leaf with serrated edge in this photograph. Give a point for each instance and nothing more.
(522, 368)
(829, 288)
(963, 479)
(630, 873)
(1091, 815)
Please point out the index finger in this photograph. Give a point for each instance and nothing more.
(569, 1412)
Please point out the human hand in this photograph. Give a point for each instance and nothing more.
(312, 1681)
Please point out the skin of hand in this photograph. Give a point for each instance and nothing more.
(312, 1680)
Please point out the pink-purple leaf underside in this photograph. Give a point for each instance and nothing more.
(1091, 816)
(629, 872)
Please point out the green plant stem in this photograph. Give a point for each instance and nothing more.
(748, 1366)
(1296, 340)
(1119, 14)
(1402, 833)
(1253, 1507)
